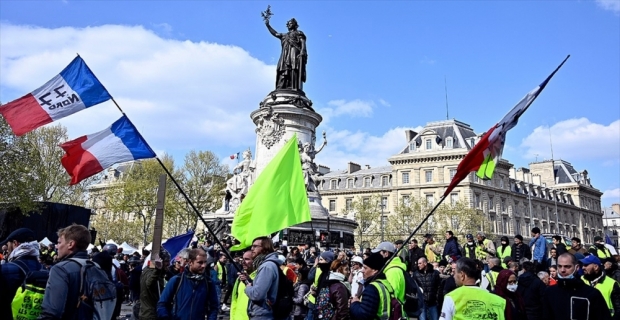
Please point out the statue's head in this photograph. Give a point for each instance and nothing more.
(306, 146)
(292, 24)
(247, 154)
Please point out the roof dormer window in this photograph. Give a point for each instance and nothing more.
(449, 143)
(429, 144)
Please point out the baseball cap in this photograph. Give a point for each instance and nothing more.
(598, 238)
(590, 260)
(428, 235)
(385, 246)
(21, 235)
(399, 241)
(470, 236)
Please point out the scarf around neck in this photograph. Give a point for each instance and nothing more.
(258, 260)
(25, 249)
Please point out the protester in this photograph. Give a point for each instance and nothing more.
(531, 289)
(431, 249)
(262, 290)
(599, 249)
(239, 300)
(572, 298)
(451, 250)
(301, 288)
(558, 244)
(504, 251)
(544, 277)
(232, 268)
(520, 250)
(449, 284)
(415, 252)
(611, 269)
(135, 272)
(339, 291)
(553, 275)
(190, 295)
(485, 249)
(152, 284)
(429, 281)
(356, 278)
(594, 276)
(63, 287)
(458, 303)
(576, 247)
(506, 288)
(489, 280)
(401, 251)
(222, 277)
(394, 270)
(370, 305)
(469, 248)
(553, 257)
(538, 246)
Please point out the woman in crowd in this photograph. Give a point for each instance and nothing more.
(506, 288)
(301, 288)
(334, 292)
(553, 275)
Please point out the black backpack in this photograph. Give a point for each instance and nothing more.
(283, 305)
(414, 298)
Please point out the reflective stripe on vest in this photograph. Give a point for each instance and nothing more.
(480, 254)
(603, 254)
(473, 303)
(605, 287)
(317, 274)
(384, 311)
(492, 279)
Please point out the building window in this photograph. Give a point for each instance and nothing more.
(454, 198)
(412, 146)
(333, 184)
(449, 143)
(491, 204)
(405, 177)
(384, 181)
(501, 182)
(367, 182)
(503, 205)
(350, 183)
(429, 175)
(429, 144)
(406, 200)
(613, 222)
(430, 200)
(472, 142)
(384, 202)
(476, 179)
(332, 205)
(452, 174)
(348, 204)
(477, 200)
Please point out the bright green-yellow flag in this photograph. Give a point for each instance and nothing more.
(276, 200)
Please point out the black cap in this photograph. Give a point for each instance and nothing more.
(598, 238)
(428, 235)
(399, 241)
(374, 261)
(21, 235)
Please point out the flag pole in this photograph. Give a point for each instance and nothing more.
(441, 199)
(191, 204)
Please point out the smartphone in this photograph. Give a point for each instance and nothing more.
(579, 308)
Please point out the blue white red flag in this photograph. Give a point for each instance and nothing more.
(74, 89)
(178, 243)
(93, 153)
(234, 156)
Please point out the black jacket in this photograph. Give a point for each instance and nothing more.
(414, 255)
(531, 289)
(429, 281)
(557, 303)
(520, 252)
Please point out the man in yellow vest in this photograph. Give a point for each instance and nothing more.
(490, 278)
(239, 300)
(599, 249)
(222, 276)
(485, 249)
(594, 275)
(431, 249)
(469, 301)
(394, 270)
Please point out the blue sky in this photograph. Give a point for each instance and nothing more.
(188, 73)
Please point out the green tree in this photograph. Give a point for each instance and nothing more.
(407, 215)
(367, 213)
(462, 219)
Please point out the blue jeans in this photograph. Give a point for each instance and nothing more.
(311, 309)
(429, 313)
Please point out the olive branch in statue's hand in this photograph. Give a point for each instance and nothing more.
(267, 14)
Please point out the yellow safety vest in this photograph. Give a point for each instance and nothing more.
(603, 254)
(220, 271)
(503, 254)
(472, 303)
(239, 300)
(430, 255)
(481, 254)
(605, 287)
(317, 274)
(492, 277)
(386, 293)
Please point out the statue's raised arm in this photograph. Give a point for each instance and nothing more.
(322, 145)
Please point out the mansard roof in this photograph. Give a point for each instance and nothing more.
(460, 132)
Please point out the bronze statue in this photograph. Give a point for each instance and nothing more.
(291, 68)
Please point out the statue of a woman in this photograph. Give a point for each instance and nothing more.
(291, 69)
(310, 169)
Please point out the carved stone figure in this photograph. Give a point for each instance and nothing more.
(291, 68)
(238, 185)
(307, 153)
(270, 128)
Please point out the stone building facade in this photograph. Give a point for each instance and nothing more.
(515, 200)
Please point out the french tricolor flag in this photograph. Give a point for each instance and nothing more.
(93, 153)
(74, 89)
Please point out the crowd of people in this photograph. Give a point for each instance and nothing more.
(476, 280)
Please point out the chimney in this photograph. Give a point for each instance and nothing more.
(367, 166)
(409, 134)
(353, 167)
(616, 207)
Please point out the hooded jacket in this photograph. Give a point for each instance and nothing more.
(531, 289)
(557, 302)
(264, 288)
(451, 249)
(394, 275)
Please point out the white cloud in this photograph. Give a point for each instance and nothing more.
(428, 61)
(180, 94)
(353, 108)
(361, 147)
(611, 196)
(611, 5)
(575, 139)
(384, 103)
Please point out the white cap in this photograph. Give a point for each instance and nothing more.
(385, 246)
(357, 259)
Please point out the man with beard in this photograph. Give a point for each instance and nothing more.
(572, 298)
(594, 275)
(429, 281)
(263, 291)
(152, 285)
(190, 295)
(240, 300)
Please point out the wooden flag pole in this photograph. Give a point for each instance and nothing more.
(159, 219)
